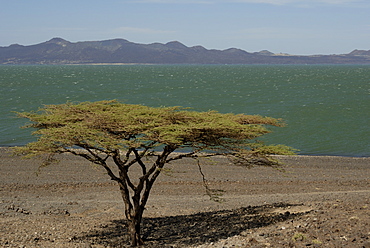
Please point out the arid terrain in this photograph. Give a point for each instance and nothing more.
(314, 202)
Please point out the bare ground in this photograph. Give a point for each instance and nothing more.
(315, 202)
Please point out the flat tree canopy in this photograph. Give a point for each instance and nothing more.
(126, 134)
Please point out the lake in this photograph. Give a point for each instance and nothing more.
(326, 107)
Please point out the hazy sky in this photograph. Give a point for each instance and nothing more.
(287, 26)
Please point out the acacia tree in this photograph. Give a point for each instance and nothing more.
(127, 134)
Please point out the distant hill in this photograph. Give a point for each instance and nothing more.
(60, 51)
(362, 53)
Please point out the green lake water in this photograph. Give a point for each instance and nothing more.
(326, 107)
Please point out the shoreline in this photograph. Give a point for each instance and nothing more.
(299, 155)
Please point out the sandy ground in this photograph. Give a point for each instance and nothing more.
(314, 202)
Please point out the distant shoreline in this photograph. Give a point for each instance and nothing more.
(108, 64)
(59, 51)
(186, 64)
(2, 148)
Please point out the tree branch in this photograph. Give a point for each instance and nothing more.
(96, 159)
(212, 193)
(194, 154)
(138, 158)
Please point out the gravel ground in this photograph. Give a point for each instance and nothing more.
(315, 202)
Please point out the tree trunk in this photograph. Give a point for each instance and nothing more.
(135, 205)
(134, 231)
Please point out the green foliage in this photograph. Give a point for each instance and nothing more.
(110, 125)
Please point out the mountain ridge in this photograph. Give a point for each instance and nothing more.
(60, 51)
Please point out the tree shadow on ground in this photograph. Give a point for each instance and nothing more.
(186, 230)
